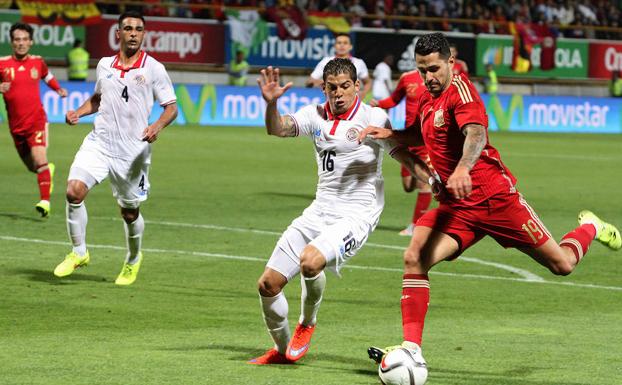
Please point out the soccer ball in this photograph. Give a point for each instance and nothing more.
(403, 367)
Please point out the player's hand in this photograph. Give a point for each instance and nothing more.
(150, 134)
(62, 92)
(373, 103)
(375, 133)
(269, 83)
(72, 117)
(459, 183)
(4, 87)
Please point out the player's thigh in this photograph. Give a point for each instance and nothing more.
(90, 166)
(285, 258)
(428, 247)
(551, 256)
(130, 182)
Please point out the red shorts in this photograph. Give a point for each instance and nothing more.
(36, 136)
(421, 152)
(506, 217)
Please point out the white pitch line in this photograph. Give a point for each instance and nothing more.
(527, 275)
(356, 267)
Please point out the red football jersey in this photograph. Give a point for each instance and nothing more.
(409, 86)
(442, 119)
(460, 67)
(23, 100)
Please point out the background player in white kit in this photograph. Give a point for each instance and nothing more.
(119, 145)
(343, 47)
(347, 205)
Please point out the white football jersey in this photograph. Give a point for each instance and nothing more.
(127, 97)
(361, 68)
(349, 174)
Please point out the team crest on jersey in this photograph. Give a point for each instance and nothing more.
(140, 80)
(439, 118)
(34, 73)
(352, 134)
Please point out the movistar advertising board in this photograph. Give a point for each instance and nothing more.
(50, 41)
(273, 51)
(211, 105)
(571, 58)
(553, 114)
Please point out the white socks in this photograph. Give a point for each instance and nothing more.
(311, 298)
(275, 314)
(134, 237)
(77, 219)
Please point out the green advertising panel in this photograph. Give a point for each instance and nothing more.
(50, 41)
(571, 58)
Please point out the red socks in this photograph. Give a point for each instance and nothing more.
(44, 179)
(415, 301)
(579, 239)
(421, 206)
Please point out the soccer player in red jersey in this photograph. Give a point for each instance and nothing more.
(460, 66)
(409, 86)
(480, 197)
(19, 84)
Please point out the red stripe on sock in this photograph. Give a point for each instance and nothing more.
(415, 302)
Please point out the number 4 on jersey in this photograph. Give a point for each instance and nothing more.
(124, 94)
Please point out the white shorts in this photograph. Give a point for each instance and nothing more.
(337, 237)
(129, 179)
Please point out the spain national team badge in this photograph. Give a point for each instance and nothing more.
(439, 118)
(352, 134)
(34, 73)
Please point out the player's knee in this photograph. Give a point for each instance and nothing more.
(75, 194)
(561, 268)
(267, 288)
(129, 215)
(312, 262)
(412, 257)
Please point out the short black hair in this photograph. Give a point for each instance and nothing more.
(339, 66)
(77, 43)
(343, 34)
(22, 27)
(132, 14)
(433, 42)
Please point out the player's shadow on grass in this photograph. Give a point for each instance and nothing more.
(47, 276)
(22, 217)
(514, 376)
(391, 229)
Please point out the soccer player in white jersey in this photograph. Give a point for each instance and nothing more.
(347, 205)
(343, 47)
(119, 146)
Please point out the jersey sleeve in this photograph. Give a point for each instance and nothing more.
(304, 120)
(98, 71)
(45, 72)
(467, 105)
(318, 71)
(162, 86)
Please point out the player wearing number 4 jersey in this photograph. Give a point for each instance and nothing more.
(347, 205)
(481, 198)
(119, 146)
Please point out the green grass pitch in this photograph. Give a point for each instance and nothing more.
(219, 199)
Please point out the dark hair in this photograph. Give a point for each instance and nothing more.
(132, 14)
(339, 66)
(433, 42)
(343, 34)
(23, 27)
(77, 43)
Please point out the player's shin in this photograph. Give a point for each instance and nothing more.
(134, 235)
(415, 300)
(311, 298)
(77, 219)
(579, 240)
(275, 311)
(44, 179)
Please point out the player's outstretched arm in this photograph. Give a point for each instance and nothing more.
(90, 106)
(410, 137)
(271, 91)
(150, 134)
(459, 182)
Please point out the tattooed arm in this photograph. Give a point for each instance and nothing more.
(459, 182)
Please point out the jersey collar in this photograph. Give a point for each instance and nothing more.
(348, 115)
(140, 62)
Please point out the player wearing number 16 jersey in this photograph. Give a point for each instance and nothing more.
(347, 205)
(119, 146)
